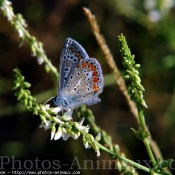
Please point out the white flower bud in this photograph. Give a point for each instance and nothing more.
(58, 134)
(53, 132)
(40, 60)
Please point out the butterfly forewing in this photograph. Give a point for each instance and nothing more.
(72, 54)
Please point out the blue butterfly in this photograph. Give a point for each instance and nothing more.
(80, 77)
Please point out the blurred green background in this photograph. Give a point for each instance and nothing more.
(149, 27)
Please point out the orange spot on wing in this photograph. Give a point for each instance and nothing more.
(84, 65)
(95, 74)
(92, 67)
(95, 87)
(95, 80)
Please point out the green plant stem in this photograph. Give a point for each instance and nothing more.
(145, 140)
(149, 151)
(46, 60)
(117, 156)
(19, 24)
(141, 116)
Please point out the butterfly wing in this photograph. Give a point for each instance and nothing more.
(85, 83)
(81, 78)
(72, 54)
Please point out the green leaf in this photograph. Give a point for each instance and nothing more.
(166, 163)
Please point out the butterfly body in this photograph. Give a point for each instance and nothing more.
(80, 78)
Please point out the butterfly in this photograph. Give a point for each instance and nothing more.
(80, 77)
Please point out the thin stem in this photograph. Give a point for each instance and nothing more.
(19, 24)
(141, 116)
(106, 139)
(145, 140)
(149, 151)
(120, 157)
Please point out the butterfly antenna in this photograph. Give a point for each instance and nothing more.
(48, 100)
